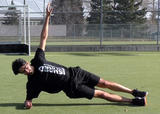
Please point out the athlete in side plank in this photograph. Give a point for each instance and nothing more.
(75, 82)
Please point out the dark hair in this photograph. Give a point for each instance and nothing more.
(17, 64)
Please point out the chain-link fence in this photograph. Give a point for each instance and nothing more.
(92, 33)
(70, 24)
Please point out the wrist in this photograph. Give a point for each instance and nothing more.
(29, 100)
(48, 15)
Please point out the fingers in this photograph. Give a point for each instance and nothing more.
(49, 8)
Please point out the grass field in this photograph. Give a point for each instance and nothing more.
(95, 42)
(133, 69)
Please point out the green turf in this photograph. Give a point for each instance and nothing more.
(95, 42)
(133, 69)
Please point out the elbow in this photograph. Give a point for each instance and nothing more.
(44, 36)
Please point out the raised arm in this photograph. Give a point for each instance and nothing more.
(44, 33)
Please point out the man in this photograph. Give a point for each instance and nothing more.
(73, 81)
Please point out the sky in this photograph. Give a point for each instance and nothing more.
(38, 6)
(34, 5)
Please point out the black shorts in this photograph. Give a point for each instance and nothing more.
(82, 84)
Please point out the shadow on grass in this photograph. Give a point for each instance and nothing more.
(101, 54)
(20, 106)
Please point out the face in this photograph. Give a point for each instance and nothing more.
(26, 69)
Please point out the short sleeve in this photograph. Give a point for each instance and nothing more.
(39, 54)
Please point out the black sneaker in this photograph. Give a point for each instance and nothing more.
(138, 93)
(139, 101)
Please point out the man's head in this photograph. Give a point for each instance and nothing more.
(21, 66)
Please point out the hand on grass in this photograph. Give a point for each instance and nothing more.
(27, 104)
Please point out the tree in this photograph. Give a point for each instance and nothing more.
(128, 11)
(118, 12)
(68, 12)
(11, 15)
(95, 14)
(152, 7)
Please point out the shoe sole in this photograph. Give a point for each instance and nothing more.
(145, 99)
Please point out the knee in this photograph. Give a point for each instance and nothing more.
(110, 84)
(99, 94)
(105, 83)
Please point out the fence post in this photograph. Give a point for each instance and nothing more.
(158, 22)
(101, 24)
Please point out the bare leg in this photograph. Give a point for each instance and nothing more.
(111, 97)
(113, 86)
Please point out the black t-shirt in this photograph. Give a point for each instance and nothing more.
(48, 76)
